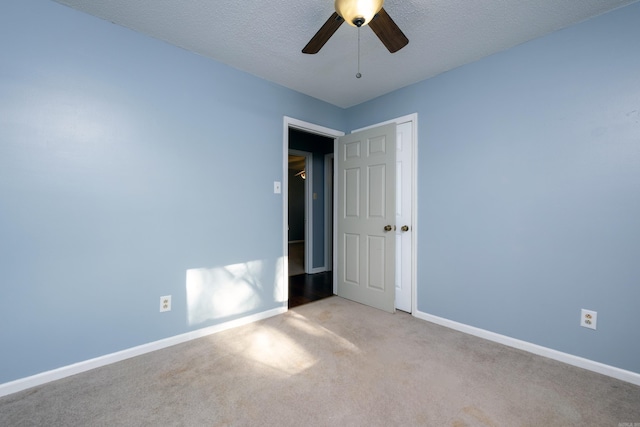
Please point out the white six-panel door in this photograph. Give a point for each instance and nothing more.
(366, 216)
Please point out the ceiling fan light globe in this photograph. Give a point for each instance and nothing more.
(356, 12)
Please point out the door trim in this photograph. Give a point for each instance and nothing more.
(328, 211)
(413, 118)
(289, 122)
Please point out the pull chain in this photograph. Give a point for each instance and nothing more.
(358, 75)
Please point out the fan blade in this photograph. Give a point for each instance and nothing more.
(324, 34)
(388, 32)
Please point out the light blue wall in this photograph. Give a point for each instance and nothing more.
(529, 189)
(124, 163)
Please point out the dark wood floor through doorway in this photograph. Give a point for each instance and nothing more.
(306, 288)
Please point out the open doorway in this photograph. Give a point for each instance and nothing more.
(407, 134)
(309, 190)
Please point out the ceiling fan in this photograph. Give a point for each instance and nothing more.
(359, 13)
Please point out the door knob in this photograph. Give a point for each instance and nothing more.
(405, 228)
(387, 228)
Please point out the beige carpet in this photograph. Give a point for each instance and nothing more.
(331, 363)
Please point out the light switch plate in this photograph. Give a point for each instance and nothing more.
(277, 187)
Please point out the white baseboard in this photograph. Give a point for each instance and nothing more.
(76, 368)
(601, 368)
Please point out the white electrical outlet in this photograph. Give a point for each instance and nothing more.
(588, 319)
(165, 303)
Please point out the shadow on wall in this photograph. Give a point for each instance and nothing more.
(232, 290)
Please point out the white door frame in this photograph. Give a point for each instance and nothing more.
(328, 211)
(413, 118)
(288, 123)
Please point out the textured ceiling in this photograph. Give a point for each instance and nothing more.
(266, 39)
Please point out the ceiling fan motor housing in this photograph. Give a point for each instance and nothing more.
(358, 12)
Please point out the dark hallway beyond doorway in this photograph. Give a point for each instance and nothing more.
(306, 288)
